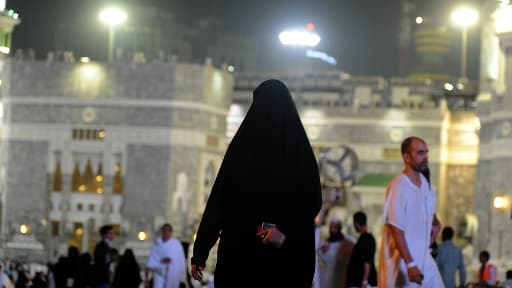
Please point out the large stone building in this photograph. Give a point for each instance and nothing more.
(493, 192)
(137, 145)
(371, 116)
(134, 145)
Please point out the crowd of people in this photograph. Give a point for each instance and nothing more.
(165, 268)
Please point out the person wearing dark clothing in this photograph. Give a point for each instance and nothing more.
(269, 174)
(84, 272)
(103, 258)
(72, 266)
(59, 273)
(22, 281)
(361, 268)
(127, 273)
(39, 281)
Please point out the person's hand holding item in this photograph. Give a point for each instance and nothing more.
(415, 275)
(197, 272)
(274, 238)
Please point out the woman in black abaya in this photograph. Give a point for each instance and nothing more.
(269, 173)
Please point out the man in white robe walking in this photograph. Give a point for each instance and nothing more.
(166, 261)
(405, 259)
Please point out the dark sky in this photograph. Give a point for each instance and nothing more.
(361, 34)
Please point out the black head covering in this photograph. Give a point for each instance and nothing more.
(269, 173)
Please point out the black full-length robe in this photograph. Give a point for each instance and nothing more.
(269, 173)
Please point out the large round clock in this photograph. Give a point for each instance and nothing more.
(338, 165)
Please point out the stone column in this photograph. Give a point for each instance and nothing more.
(65, 205)
(506, 46)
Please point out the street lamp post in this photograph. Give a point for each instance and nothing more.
(464, 17)
(112, 17)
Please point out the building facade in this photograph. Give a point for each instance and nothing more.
(83, 145)
(493, 183)
(371, 116)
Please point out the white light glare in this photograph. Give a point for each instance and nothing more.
(503, 19)
(465, 16)
(419, 20)
(113, 16)
(322, 56)
(231, 68)
(448, 86)
(500, 202)
(143, 236)
(299, 38)
(85, 60)
(4, 50)
(24, 229)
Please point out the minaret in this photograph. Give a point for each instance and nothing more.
(8, 20)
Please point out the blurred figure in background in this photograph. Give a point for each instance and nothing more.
(361, 269)
(508, 281)
(166, 261)
(127, 274)
(334, 255)
(103, 258)
(488, 273)
(85, 271)
(449, 260)
(72, 266)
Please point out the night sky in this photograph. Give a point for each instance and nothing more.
(361, 34)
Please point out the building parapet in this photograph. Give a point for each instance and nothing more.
(339, 89)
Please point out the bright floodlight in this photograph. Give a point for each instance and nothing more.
(465, 16)
(143, 236)
(419, 20)
(448, 86)
(113, 16)
(500, 202)
(24, 229)
(299, 38)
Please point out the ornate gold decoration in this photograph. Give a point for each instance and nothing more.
(118, 180)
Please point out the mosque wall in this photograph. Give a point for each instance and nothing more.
(118, 143)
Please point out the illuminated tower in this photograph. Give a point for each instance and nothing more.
(8, 19)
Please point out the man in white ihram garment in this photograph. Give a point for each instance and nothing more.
(405, 259)
(166, 260)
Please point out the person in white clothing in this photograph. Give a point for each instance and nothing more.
(405, 259)
(166, 261)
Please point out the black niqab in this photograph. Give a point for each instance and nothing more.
(269, 173)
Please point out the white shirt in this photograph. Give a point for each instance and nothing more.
(167, 275)
(410, 209)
